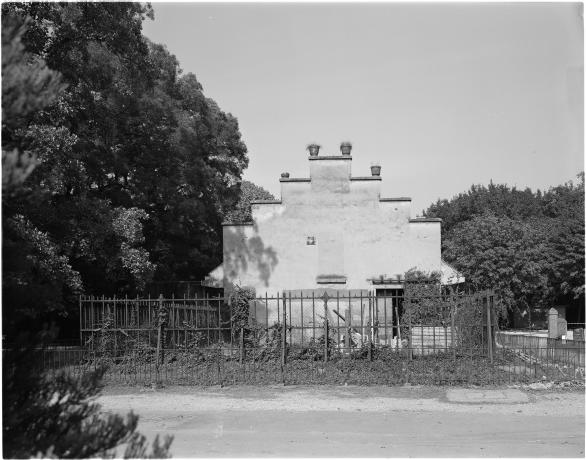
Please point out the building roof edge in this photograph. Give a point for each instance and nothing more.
(331, 157)
(266, 202)
(400, 198)
(294, 179)
(366, 178)
(425, 219)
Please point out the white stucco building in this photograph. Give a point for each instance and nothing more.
(331, 230)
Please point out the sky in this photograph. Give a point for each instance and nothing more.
(442, 96)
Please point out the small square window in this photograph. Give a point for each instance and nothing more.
(310, 241)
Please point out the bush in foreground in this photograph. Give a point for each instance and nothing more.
(58, 417)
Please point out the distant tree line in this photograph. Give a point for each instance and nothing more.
(527, 245)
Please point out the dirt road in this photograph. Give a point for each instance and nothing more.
(358, 421)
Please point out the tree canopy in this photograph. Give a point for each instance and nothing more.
(117, 169)
(527, 245)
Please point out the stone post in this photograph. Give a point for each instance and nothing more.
(552, 325)
(562, 327)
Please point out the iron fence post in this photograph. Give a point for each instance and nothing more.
(241, 345)
(326, 335)
(284, 333)
(489, 330)
(159, 336)
(370, 326)
(218, 363)
(91, 323)
(164, 320)
(102, 333)
(409, 341)
(80, 322)
(326, 332)
(452, 330)
(399, 341)
(114, 323)
(348, 322)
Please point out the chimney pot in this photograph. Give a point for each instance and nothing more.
(346, 148)
(313, 149)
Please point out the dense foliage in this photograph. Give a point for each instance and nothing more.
(528, 245)
(249, 192)
(117, 169)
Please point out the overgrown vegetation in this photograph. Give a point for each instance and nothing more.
(423, 300)
(305, 365)
(239, 302)
(464, 314)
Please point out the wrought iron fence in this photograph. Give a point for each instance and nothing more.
(324, 336)
(109, 324)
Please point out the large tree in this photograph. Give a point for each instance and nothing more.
(36, 275)
(502, 253)
(49, 416)
(135, 167)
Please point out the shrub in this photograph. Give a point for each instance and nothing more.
(55, 417)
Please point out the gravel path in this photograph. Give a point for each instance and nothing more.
(357, 421)
(347, 399)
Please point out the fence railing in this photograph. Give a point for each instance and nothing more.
(540, 348)
(301, 318)
(310, 336)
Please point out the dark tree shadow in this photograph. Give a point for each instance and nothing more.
(245, 250)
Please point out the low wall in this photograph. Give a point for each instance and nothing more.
(552, 350)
